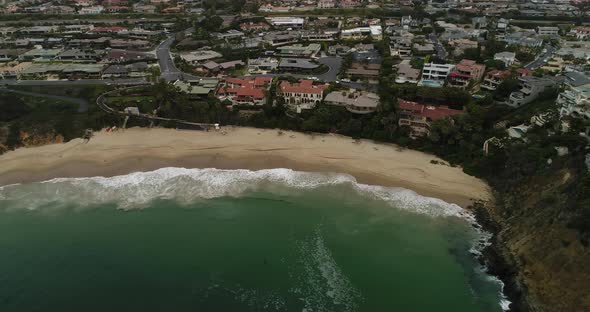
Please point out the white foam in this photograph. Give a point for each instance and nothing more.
(324, 286)
(136, 190)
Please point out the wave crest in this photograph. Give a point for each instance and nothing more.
(137, 190)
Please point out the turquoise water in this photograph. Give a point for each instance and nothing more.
(214, 240)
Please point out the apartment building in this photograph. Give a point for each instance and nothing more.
(301, 95)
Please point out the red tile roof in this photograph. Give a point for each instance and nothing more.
(304, 86)
(245, 88)
(432, 112)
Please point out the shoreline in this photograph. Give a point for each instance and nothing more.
(112, 154)
(140, 149)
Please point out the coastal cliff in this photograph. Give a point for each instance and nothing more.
(543, 261)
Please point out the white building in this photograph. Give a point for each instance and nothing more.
(507, 57)
(262, 65)
(574, 101)
(435, 74)
(286, 21)
(91, 10)
(362, 32)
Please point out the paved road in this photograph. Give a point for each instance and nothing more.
(168, 70)
(542, 59)
(334, 63)
(82, 104)
(440, 49)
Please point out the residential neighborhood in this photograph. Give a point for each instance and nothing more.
(494, 92)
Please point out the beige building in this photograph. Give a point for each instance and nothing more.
(358, 102)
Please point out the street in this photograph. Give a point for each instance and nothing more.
(441, 53)
(542, 58)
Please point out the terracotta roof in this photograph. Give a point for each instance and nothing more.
(432, 112)
(304, 86)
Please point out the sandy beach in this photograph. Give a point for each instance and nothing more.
(140, 149)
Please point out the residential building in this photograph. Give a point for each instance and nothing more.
(574, 101)
(286, 22)
(262, 65)
(301, 95)
(358, 102)
(200, 56)
(434, 75)
(115, 71)
(72, 71)
(465, 72)
(494, 78)
(480, 22)
(418, 117)
(581, 32)
(423, 48)
(40, 54)
(555, 65)
(245, 91)
(401, 45)
(374, 32)
(326, 4)
(364, 71)
(507, 57)
(281, 37)
(299, 50)
(501, 28)
(197, 88)
(91, 10)
(13, 70)
(407, 74)
(547, 31)
(461, 45)
(251, 26)
(296, 65)
(530, 88)
(79, 55)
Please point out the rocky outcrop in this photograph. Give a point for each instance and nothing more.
(544, 264)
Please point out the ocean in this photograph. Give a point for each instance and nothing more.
(179, 239)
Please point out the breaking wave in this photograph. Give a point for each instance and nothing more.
(137, 190)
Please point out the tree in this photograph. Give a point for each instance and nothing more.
(496, 64)
(506, 87)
